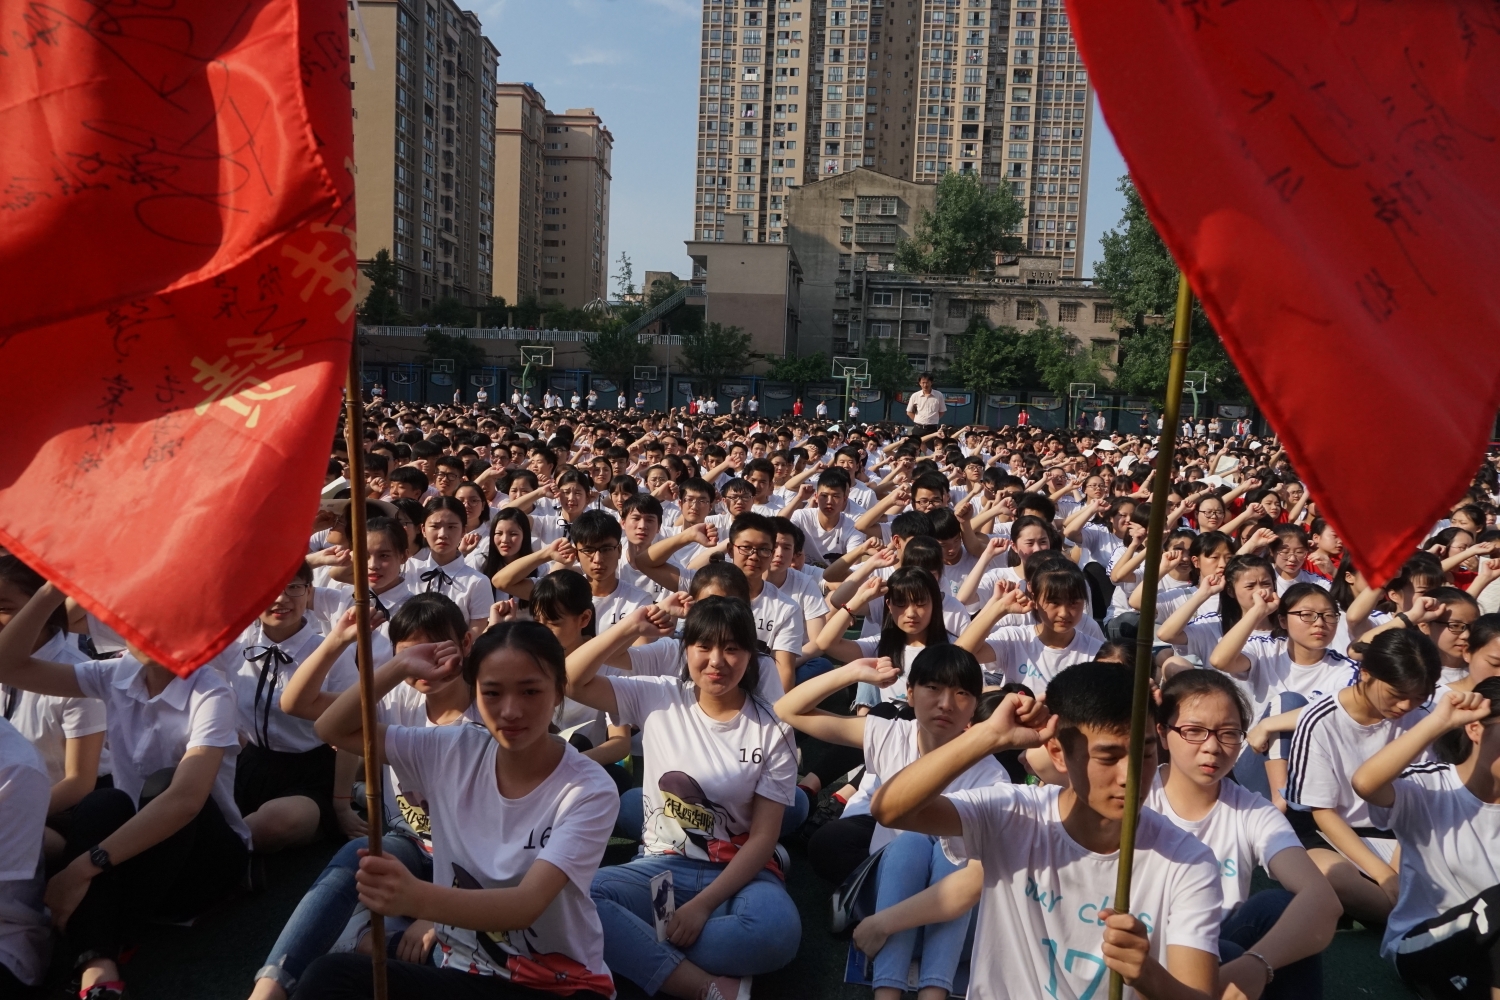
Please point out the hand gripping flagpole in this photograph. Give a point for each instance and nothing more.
(354, 437)
(1161, 485)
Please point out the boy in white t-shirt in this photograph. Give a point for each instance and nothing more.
(1045, 927)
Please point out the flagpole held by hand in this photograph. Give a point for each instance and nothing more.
(1140, 714)
(354, 437)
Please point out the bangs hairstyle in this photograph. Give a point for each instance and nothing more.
(1404, 658)
(391, 529)
(949, 666)
(1230, 611)
(729, 578)
(594, 529)
(1199, 684)
(28, 581)
(564, 592)
(906, 586)
(452, 505)
(1093, 694)
(723, 621)
(531, 638)
(1482, 631)
(433, 616)
(493, 560)
(1296, 594)
(923, 552)
(910, 524)
(1020, 524)
(1059, 583)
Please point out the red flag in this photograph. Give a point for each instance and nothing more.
(1329, 180)
(178, 235)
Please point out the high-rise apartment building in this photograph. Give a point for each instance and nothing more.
(424, 147)
(794, 90)
(520, 119)
(552, 178)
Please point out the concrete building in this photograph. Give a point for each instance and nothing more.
(754, 287)
(424, 122)
(909, 88)
(925, 315)
(520, 118)
(552, 177)
(576, 150)
(840, 228)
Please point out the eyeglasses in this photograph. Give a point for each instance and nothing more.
(1199, 734)
(1455, 628)
(296, 589)
(1309, 617)
(738, 496)
(472, 502)
(445, 475)
(764, 551)
(603, 550)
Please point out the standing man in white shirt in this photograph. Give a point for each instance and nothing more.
(926, 407)
(822, 409)
(620, 400)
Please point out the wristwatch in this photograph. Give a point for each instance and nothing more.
(100, 858)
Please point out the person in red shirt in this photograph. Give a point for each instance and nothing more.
(1023, 418)
(797, 408)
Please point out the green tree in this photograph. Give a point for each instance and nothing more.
(971, 225)
(661, 289)
(380, 307)
(615, 354)
(800, 370)
(446, 311)
(527, 314)
(494, 312)
(1061, 359)
(463, 352)
(989, 359)
(891, 370)
(1141, 277)
(625, 276)
(715, 351)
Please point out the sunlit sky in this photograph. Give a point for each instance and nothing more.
(635, 62)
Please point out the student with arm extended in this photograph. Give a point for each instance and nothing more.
(1064, 842)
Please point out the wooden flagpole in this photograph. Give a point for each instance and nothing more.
(354, 436)
(1161, 485)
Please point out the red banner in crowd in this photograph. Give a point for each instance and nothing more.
(178, 246)
(1328, 176)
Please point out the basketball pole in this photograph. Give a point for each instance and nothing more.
(1166, 445)
(354, 437)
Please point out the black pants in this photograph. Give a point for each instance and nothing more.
(179, 877)
(349, 977)
(12, 988)
(839, 846)
(1101, 589)
(1449, 957)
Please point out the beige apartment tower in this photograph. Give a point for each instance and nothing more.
(792, 91)
(552, 179)
(424, 122)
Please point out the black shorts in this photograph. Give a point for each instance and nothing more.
(262, 775)
(1455, 955)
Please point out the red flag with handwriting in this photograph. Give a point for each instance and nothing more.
(1328, 176)
(176, 193)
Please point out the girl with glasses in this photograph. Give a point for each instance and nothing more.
(1282, 671)
(1338, 733)
(1271, 941)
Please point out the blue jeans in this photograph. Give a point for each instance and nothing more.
(813, 667)
(911, 863)
(1251, 920)
(325, 909)
(632, 817)
(753, 932)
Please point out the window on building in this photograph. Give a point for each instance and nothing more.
(917, 328)
(1025, 309)
(958, 309)
(1067, 312)
(919, 300)
(880, 330)
(1104, 313)
(881, 299)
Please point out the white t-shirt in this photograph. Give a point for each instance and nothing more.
(48, 720)
(778, 620)
(609, 610)
(482, 840)
(826, 544)
(458, 581)
(1022, 658)
(1039, 934)
(1243, 829)
(1447, 839)
(1099, 544)
(25, 791)
(702, 776)
(986, 588)
(869, 645)
(1328, 746)
(891, 744)
(257, 684)
(1272, 672)
(802, 587)
(405, 801)
(148, 734)
(663, 658)
(1303, 576)
(954, 576)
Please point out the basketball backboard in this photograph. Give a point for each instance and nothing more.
(538, 357)
(645, 373)
(442, 365)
